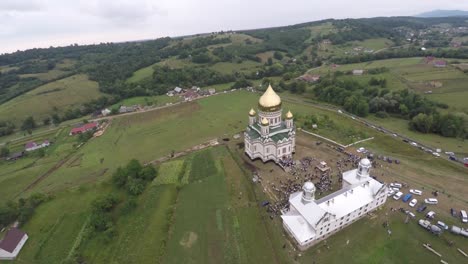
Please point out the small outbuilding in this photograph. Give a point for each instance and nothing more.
(12, 243)
(358, 72)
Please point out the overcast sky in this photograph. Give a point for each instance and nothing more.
(42, 23)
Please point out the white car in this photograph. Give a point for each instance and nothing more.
(396, 185)
(431, 201)
(414, 144)
(414, 191)
(391, 192)
(411, 214)
(436, 154)
(339, 111)
(395, 189)
(397, 196)
(431, 215)
(413, 202)
(442, 225)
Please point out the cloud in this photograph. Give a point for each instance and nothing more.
(123, 11)
(20, 5)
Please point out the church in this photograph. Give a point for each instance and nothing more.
(309, 221)
(268, 136)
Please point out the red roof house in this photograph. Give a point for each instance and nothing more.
(12, 243)
(440, 64)
(84, 128)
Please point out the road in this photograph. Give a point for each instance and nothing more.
(421, 146)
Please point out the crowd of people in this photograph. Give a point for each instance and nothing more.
(303, 170)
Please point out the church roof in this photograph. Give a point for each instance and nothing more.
(269, 101)
(276, 133)
(289, 115)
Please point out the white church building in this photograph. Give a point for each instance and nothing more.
(309, 221)
(268, 136)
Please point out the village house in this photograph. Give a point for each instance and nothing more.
(358, 72)
(84, 128)
(128, 109)
(30, 146)
(440, 64)
(211, 91)
(12, 243)
(178, 90)
(16, 156)
(190, 95)
(309, 78)
(105, 112)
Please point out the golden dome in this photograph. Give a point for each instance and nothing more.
(269, 101)
(252, 112)
(289, 115)
(265, 122)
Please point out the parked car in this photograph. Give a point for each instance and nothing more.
(265, 203)
(463, 216)
(407, 197)
(430, 215)
(396, 185)
(442, 225)
(411, 214)
(413, 202)
(414, 144)
(395, 189)
(421, 208)
(431, 201)
(436, 154)
(397, 196)
(391, 192)
(453, 212)
(405, 140)
(453, 158)
(414, 191)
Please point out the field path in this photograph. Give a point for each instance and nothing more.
(207, 144)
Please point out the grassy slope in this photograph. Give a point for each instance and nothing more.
(74, 91)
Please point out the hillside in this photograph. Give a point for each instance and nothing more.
(444, 13)
(239, 59)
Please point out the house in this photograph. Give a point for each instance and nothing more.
(429, 59)
(105, 112)
(190, 95)
(358, 72)
(211, 91)
(309, 78)
(440, 64)
(127, 109)
(177, 90)
(84, 128)
(12, 243)
(30, 146)
(16, 156)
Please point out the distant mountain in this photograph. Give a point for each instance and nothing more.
(443, 13)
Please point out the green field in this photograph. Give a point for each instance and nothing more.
(159, 100)
(53, 97)
(201, 208)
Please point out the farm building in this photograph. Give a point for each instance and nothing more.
(30, 146)
(268, 137)
(16, 156)
(211, 91)
(358, 72)
(309, 221)
(12, 243)
(84, 128)
(177, 90)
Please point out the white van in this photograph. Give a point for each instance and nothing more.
(463, 216)
(396, 185)
(431, 201)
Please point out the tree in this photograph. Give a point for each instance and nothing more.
(4, 152)
(119, 177)
(55, 119)
(270, 61)
(148, 173)
(46, 121)
(28, 124)
(277, 55)
(135, 186)
(133, 169)
(422, 123)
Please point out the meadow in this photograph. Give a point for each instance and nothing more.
(212, 188)
(52, 97)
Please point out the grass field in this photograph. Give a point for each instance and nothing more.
(159, 100)
(230, 68)
(202, 208)
(42, 101)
